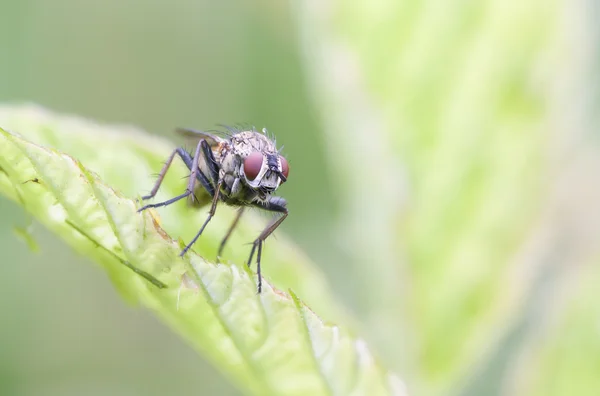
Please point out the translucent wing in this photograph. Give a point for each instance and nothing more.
(211, 139)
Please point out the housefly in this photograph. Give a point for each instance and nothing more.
(242, 169)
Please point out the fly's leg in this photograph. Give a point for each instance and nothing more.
(275, 204)
(196, 174)
(167, 202)
(231, 228)
(211, 213)
(211, 163)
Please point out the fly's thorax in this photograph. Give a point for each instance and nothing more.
(244, 143)
(230, 164)
(229, 172)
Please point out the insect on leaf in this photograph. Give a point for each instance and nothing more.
(269, 343)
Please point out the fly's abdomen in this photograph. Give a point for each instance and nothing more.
(201, 197)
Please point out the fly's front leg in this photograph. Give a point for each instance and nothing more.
(161, 175)
(195, 175)
(275, 204)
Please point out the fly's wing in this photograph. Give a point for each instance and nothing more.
(211, 139)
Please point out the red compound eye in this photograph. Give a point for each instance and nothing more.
(252, 165)
(285, 168)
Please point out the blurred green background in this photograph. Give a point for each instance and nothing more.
(444, 167)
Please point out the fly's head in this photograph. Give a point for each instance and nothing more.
(261, 168)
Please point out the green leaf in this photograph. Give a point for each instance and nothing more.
(268, 343)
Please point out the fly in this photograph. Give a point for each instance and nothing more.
(244, 170)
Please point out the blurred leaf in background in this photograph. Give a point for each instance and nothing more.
(446, 149)
(480, 113)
